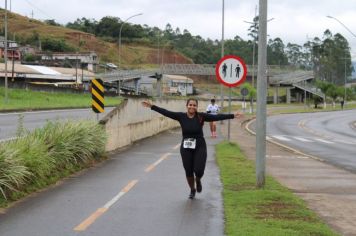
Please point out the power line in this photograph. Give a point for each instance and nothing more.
(43, 12)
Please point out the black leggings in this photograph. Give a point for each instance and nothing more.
(194, 160)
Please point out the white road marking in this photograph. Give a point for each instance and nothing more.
(346, 142)
(282, 138)
(323, 141)
(120, 194)
(303, 139)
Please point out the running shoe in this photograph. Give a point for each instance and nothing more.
(199, 186)
(192, 193)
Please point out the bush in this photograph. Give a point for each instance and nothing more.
(31, 57)
(47, 154)
(56, 45)
(13, 173)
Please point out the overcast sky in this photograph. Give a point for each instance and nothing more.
(294, 20)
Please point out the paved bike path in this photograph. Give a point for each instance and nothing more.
(140, 191)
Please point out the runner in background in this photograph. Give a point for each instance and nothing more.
(213, 109)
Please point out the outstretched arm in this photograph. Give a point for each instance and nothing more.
(208, 117)
(170, 114)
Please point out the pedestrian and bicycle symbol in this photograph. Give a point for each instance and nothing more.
(231, 71)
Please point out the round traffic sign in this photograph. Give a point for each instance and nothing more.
(231, 70)
(244, 92)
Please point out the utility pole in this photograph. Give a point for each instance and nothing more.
(253, 53)
(222, 53)
(261, 96)
(76, 68)
(5, 55)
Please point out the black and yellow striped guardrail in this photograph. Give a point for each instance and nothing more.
(97, 91)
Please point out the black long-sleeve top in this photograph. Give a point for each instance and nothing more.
(191, 127)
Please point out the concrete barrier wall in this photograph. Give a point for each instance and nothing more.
(131, 121)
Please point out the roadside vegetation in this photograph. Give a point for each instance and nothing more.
(20, 99)
(273, 210)
(38, 159)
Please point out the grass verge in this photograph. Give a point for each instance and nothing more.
(20, 99)
(273, 210)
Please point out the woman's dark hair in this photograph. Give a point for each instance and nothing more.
(212, 100)
(201, 119)
(192, 99)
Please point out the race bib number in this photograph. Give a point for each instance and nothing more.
(189, 143)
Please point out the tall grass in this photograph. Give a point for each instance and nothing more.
(43, 156)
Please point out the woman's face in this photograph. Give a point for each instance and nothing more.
(192, 107)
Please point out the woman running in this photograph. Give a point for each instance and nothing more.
(212, 109)
(193, 148)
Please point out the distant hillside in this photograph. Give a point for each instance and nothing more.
(24, 29)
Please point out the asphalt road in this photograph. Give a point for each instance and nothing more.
(330, 136)
(139, 191)
(9, 122)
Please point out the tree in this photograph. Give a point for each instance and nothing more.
(324, 87)
(251, 96)
(333, 92)
(253, 29)
(108, 26)
(276, 54)
(52, 22)
(329, 57)
(294, 54)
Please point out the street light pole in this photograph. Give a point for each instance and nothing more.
(254, 46)
(222, 52)
(5, 55)
(261, 96)
(120, 35)
(345, 80)
(331, 17)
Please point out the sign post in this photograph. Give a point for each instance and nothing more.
(97, 91)
(244, 93)
(231, 71)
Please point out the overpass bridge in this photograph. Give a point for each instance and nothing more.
(117, 78)
(299, 81)
(278, 77)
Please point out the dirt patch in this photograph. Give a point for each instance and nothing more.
(280, 210)
(240, 187)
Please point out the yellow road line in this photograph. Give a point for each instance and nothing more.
(93, 217)
(90, 220)
(177, 146)
(152, 166)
